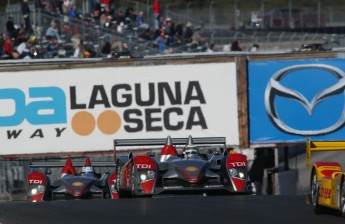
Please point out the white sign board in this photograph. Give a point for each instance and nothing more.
(79, 110)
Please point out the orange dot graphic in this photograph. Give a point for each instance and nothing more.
(109, 122)
(83, 123)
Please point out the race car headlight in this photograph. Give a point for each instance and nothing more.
(37, 189)
(113, 188)
(237, 173)
(145, 175)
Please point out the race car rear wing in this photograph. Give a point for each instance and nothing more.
(175, 141)
(162, 141)
(318, 146)
(58, 164)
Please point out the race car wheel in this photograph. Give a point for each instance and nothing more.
(314, 188)
(342, 198)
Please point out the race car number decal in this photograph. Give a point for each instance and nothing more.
(143, 166)
(325, 193)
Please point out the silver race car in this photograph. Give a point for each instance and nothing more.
(188, 172)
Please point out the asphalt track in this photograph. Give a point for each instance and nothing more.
(212, 209)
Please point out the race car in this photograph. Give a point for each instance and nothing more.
(186, 172)
(327, 179)
(70, 184)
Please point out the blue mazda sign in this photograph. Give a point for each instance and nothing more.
(289, 100)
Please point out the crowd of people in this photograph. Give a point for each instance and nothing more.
(60, 25)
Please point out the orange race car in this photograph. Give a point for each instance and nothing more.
(327, 180)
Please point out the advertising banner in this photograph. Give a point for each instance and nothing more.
(79, 110)
(292, 99)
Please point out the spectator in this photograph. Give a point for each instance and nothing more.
(140, 21)
(130, 14)
(170, 30)
(2, 41)
(146, 35)
(105, 4)
(210, 48)
(8, 49)
(106, 19)
(179, 33)
(11, 30)
(188, 32)
(106, 50)
(53, 31)
(197, 38)
(79, 49)
(119, 17)
(26, 15)
(66, 6)
(23, 49)
(21, 37)
(73, 12)
(53, 48)
(56, 7)
(161, 40)
(40, 4)
(254, 48)
(156, 12)
(237, 45)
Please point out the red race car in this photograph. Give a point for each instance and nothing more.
(200, 168)
(70, 185)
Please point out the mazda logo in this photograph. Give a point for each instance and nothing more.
(275, 88)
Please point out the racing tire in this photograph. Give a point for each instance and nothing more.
(315, 193)
(342, 197)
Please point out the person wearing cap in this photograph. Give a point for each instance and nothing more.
(53, 31)
(170, 30)
(188, 33)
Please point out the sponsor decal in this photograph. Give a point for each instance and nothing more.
(77, 184)
(132, 108)
(325, 193)
(143, 166)
(85, 109)
(35, 181)
(276, 89)
(191, 168)
(237, 164)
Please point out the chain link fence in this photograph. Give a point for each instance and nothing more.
(221, 25)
